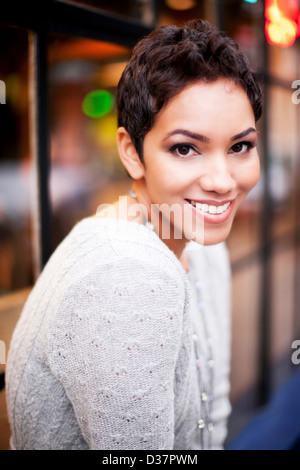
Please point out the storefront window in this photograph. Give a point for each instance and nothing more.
(283, 63)
(283, 159)
(85, 167)
(15, 166)
(244, 22)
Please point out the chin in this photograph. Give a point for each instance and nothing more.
(214, 236)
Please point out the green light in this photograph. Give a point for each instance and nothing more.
(250, 1)
(97, 103)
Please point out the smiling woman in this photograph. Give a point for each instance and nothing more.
(215, 168)
(124, 342)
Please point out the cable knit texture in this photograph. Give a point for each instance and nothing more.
(103, 356)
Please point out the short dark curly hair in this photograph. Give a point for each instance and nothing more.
(170, 58)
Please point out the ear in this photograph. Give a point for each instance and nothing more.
(128, 154)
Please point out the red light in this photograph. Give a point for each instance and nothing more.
(282, 25)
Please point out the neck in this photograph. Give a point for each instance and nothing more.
(176, 245)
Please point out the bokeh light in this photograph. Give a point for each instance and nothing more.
(97, 103)
(281, 32)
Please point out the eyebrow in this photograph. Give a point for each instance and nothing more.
(193, 135)
(204, 139)
(244, 133)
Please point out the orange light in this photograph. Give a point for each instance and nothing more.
(280, 28)
(281, 32)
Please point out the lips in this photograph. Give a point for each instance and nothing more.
(212, 211)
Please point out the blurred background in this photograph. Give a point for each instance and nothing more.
(59, 161)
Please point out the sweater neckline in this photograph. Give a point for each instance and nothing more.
(134, 228)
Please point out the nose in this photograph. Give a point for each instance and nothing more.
(217, 176)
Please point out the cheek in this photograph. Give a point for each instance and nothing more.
(249, 175)
(168, 179)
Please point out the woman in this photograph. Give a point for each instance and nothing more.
(124, 340)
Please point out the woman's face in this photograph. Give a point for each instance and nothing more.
(201, 158)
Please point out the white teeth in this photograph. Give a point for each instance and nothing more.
(211, 209)
(201, 207)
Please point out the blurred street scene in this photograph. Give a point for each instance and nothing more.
(59, 161)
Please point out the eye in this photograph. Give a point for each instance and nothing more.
(241, 147)
(183, 150)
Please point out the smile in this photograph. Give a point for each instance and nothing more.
(213, 212)
(211, 209)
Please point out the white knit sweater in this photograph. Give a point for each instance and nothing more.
(103, 355)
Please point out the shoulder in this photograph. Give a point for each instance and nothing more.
(109, 244)
(114, 266)
(116, 243)
(118, 238)
(117, 289)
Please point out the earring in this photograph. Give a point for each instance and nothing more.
(133, 194)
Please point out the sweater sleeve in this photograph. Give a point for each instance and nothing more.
(113, 343)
